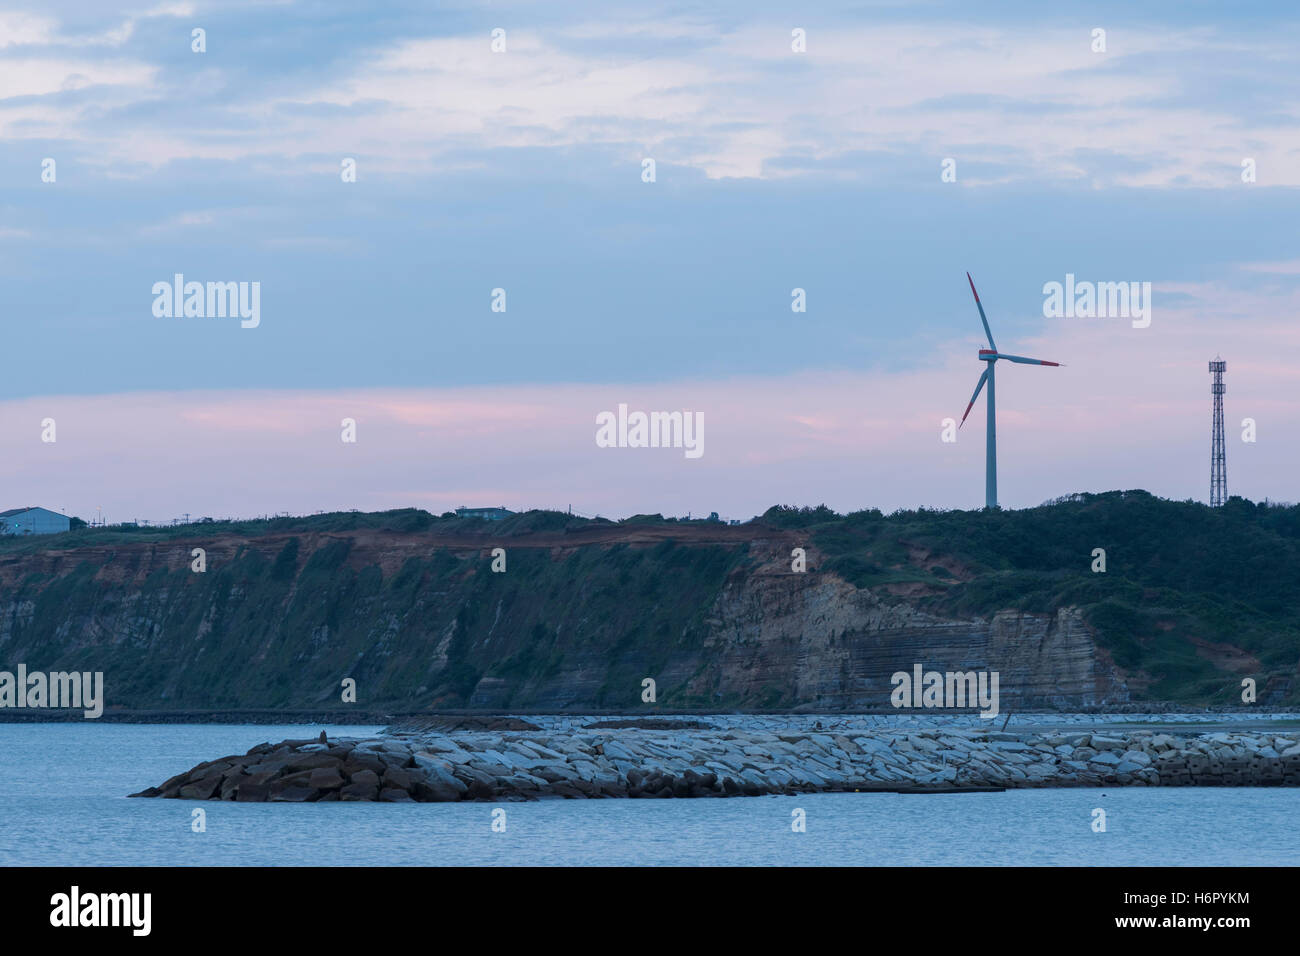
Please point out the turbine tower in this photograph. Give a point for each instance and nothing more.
(991, 355)
(1218, 461)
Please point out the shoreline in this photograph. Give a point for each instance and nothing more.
(1251, 716)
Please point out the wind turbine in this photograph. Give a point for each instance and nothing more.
(991, 356)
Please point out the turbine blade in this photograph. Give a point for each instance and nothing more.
(983, 378)
(979, 305)
(1026, 361)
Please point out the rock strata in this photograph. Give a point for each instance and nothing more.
(636, 762)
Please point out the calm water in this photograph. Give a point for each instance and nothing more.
(63, 802)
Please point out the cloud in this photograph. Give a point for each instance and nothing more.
(24, 29)
(1011, 102)
(33, 76)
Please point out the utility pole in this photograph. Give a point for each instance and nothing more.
(1218, 462)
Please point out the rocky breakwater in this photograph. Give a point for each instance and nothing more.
(506, 765)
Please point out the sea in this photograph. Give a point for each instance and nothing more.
(64, 786)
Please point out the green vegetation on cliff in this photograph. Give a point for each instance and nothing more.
(1190, 595)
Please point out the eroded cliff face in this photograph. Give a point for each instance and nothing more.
(715, 617)
(816, 640)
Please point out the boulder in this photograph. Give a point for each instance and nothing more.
(359, 791)
(300, 779)
(260, 776)
(201, 789)
(398, 759)
(434, 791)
(366, 778)
(325, 778)
(360, 760)
(439, 773)
(230, 785)
(310, 761)
(397, 779)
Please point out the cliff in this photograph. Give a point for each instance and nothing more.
(408, 606)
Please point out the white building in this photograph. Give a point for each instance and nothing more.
(33, 521)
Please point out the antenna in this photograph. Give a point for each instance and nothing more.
(1218, 460)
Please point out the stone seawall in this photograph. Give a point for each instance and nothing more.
(627, 762)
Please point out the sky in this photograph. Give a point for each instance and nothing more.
(903, 146)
